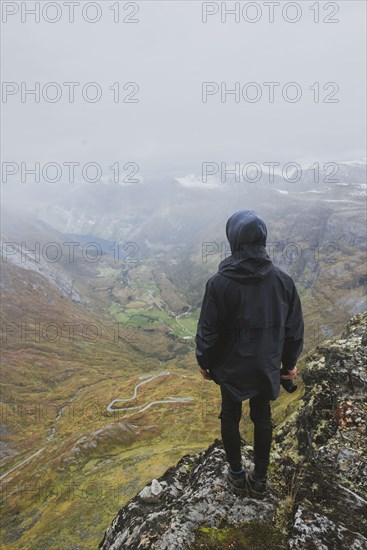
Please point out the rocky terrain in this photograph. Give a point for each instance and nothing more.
(318, 484)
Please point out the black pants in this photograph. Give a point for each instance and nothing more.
(260, 414)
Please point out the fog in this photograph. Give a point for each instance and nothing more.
(168, 130)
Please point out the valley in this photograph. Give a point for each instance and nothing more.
(100, 386)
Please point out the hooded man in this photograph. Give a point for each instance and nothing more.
(250, 324)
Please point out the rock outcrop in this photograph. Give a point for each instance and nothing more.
(318, 493)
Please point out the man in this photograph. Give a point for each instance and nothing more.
(250, 323)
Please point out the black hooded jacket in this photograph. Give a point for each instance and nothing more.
(251, 317)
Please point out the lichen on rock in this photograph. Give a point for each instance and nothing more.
(192, 494)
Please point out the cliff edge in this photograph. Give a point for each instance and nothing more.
(318, 475)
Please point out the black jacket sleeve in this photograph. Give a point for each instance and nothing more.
(207, 328)
(294, 332)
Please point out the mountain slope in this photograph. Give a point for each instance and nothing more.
(318, 474)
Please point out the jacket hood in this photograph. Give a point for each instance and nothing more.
(249, 262)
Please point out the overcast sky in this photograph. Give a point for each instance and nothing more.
(169, 53)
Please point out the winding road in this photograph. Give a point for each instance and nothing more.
(141, 408)
(23, 462)
(136, 409)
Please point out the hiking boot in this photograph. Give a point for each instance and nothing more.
(256, 486)
(237, 482)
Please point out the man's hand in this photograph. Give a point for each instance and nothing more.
(205, 373)
(291, 374)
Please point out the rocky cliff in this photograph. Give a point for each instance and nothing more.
(318, 475)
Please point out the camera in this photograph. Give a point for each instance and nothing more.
(288, 385)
